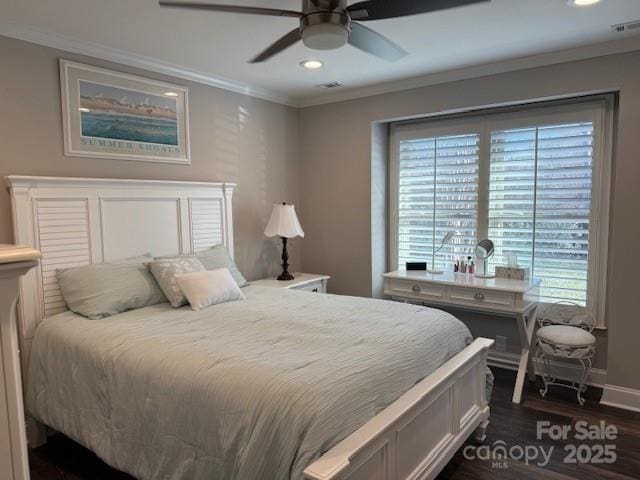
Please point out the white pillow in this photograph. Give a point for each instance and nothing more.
(210, 287)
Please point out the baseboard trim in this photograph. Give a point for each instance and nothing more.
(621, 397)
(566, 371)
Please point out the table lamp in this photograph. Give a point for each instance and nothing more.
(284, 223)
(447, 238)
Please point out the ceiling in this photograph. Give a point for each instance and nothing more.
(215, 47)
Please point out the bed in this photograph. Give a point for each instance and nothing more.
(284, 384)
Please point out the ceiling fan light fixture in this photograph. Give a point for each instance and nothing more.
(325, 36)
(583, 3)
(329, 25)
(311, 64)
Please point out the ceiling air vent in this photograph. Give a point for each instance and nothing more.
(330, 85)
(626, 27)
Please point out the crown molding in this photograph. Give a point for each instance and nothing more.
(75, 45)
(628, 44)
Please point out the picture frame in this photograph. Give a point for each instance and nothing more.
(114, 115)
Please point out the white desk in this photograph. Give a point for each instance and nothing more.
(513, 298)
(14, 262)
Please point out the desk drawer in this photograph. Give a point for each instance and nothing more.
(488, 298)
(416, 289)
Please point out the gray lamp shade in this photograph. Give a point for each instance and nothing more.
(284, 222)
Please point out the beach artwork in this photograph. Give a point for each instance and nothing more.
(115, 115)
(110, 112)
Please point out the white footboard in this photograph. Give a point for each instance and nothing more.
(417, 435)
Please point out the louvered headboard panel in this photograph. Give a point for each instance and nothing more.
(207, 227)
(76, 221)
(63, 239)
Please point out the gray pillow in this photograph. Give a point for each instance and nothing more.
(103, 289)
(143, 258)
(219, 257)
(165, 270)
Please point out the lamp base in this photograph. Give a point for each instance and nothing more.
(285, 276)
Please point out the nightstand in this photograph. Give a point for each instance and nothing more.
(302, 281)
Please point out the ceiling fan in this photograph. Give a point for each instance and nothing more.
(329, 24)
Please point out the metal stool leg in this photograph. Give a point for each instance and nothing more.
(549, 378)
(581, 387)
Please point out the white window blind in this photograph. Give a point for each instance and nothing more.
(534, 180)
(437, 193)
(540, 204)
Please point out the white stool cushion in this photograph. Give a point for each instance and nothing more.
(566, 335)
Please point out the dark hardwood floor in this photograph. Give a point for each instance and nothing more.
(515, 425)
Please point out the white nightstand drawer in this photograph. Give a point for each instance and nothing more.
(316, 287)
(418, 290)
(308, 282)
(490, 298)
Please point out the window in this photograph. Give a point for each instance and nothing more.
(535, 181)
(540, 204)
(437, 193)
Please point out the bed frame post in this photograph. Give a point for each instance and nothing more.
(481, 432)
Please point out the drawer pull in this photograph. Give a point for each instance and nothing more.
(479, 296)
(416, 288)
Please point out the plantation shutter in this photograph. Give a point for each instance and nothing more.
(437, 193)
(540, 203)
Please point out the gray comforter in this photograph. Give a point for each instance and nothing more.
(254, 389)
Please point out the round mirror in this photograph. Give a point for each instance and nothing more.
(484, 249)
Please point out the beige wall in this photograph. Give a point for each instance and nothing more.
(321, 159)
(336, 171)
(234, 138)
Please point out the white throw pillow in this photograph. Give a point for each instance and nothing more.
(210, 287)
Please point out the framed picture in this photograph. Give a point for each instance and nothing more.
(109, 114)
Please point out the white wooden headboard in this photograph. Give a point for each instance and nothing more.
(76, 221)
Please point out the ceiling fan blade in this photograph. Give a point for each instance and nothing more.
(372, 42)
(381, 9)
(231, 9)
(283, 43)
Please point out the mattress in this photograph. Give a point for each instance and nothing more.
(253, 389)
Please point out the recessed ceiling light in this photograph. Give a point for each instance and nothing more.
(171, 94)
(311, 64)
(583, 3)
